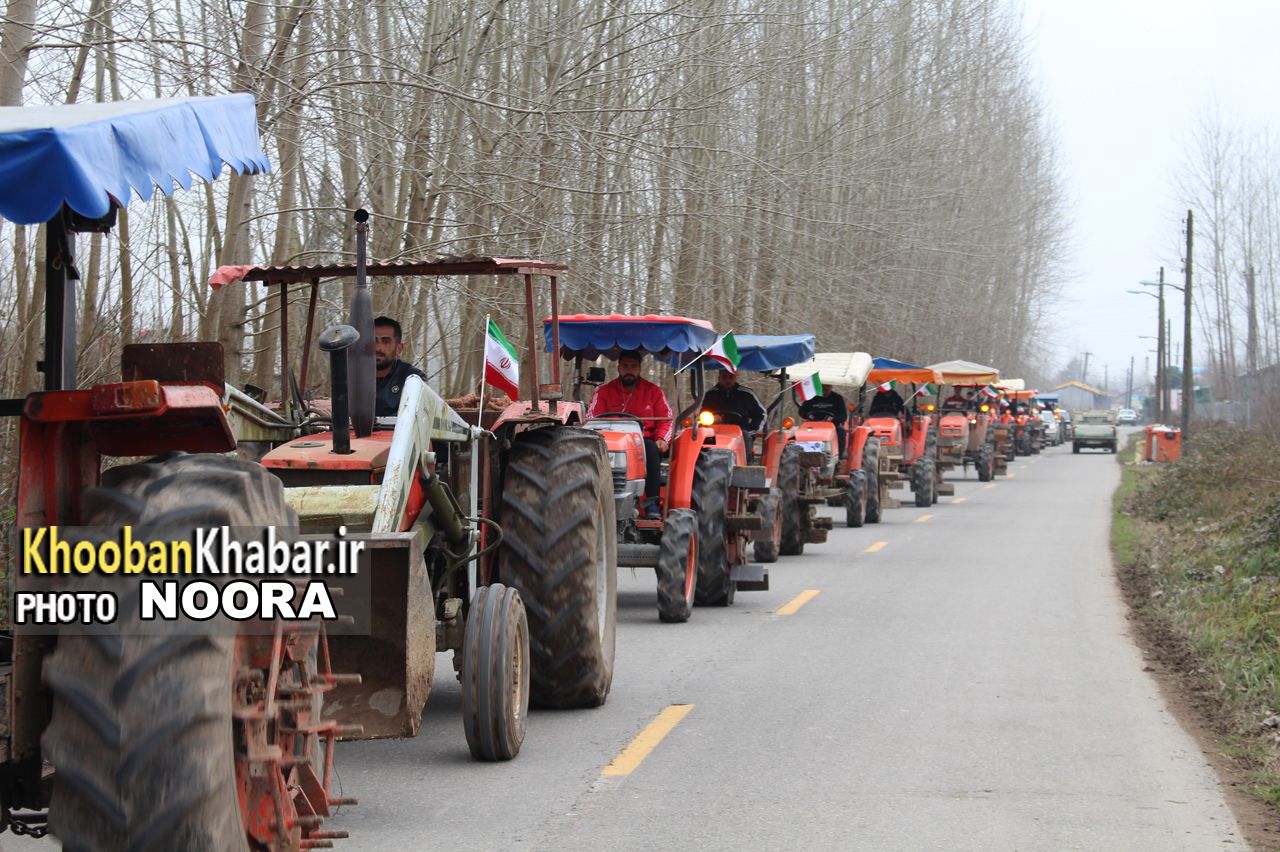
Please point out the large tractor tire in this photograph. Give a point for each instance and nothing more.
(871, 467)
(560, 552)
(678, 566)
(1022, 446)
(931, 453)
(146, 750)
(711, 502)
(495, 673)
(922, 481)
(792, 542)
(855, 499)
(766, 549)
(986, 462)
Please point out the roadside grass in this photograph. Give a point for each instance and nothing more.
(1197, 544)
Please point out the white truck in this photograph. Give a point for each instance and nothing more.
(1094, 428)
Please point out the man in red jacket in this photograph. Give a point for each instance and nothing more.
(631, 394)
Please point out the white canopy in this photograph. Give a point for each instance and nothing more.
(843, 369)
(965, 372)
(1012, 385)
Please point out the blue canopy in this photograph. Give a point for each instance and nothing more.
(892, 364)
(760, 353)
(86, 155)
(665, 337)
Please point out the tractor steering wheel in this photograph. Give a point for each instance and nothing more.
(730, 418)
(617, 415)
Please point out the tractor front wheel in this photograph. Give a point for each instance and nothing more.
(678, 566)
(871, 467)
(560, 552)
(766, 549)
(792, 543)
(711, 501)
(153, 736)
(985, 463)
(495, 673)
(855, 499)
(922, 482)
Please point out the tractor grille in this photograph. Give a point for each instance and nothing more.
(619, 480)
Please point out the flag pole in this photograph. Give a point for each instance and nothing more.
(484, 359)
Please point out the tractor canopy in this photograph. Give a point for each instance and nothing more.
(836, 369)
(890, 370)
(676, 340)
(1011, 385)
(764, 353)
(89, 156)
(965, 373)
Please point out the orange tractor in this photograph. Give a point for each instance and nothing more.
(850, 478)
(966, 417)
(1024, 420)
(907, 436)
(711, 497)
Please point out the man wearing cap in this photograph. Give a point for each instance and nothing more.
(630, 394)
(729, 397)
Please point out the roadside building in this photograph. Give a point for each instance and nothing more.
(1077, 396)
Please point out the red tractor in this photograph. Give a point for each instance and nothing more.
(147, 735)
(966, 416)
(710, 501)
(850, 479)
(906, 433)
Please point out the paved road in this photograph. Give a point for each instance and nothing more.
(969, 685)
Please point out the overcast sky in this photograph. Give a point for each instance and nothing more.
(1124, 82)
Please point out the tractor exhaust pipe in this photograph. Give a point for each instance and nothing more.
(361, 363)
(336, 340)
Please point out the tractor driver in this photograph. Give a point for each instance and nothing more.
(729, 397)
(630, 394)
(831, 408)
(956, 400)
(391, 371)
(886, 403)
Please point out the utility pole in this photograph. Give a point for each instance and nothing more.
(1168, 362)
(1106, 376)
(1128, 391)
(1084, 374)
(1162, 362)
(1188, 389)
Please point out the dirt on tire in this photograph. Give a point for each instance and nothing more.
(793, 511)
(142, 738)
(559, 551)
(711, 500)
(495, 674)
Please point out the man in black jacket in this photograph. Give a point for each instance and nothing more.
(391, 371)
(729, 397)
(829, 408)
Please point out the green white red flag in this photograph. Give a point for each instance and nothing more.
(926, 390)
(725, 352)
(810, 387)
(501, 366)
(884, 387)
(991, 391)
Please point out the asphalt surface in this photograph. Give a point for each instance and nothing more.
(971, 684)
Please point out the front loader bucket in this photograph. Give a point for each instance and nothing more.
(395, 655)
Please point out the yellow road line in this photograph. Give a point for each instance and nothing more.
(791, 606)
(992, 485)
(646, 741)
(1010, 475)
(923, 518)
(877, 547)
(958, 500)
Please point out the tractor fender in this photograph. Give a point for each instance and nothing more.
(729, 437)
(774, 442)
(685, 449)
(858, 436)
(523, 414)
(917, 441)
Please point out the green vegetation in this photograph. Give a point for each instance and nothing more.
(1198, 547)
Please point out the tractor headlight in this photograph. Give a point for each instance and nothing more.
(706, 418)
(618, 460)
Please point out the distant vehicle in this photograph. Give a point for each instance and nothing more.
(1052, 428)
(1126, 417)
(1067, 428)
(1094, 429)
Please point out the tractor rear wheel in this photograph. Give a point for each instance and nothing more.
(495, 673)
(560, 552)
(985, 463)
(766, 549)
(147, 739)
(792, 542)
(922, 482)
(871, 467)
(711, 502)
(855, 499)
(678, 566)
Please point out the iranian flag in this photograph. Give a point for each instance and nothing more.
(991, 391)
(501, 366)
(725, 352)
(884, 387)
(810, 387)
(927, 390)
